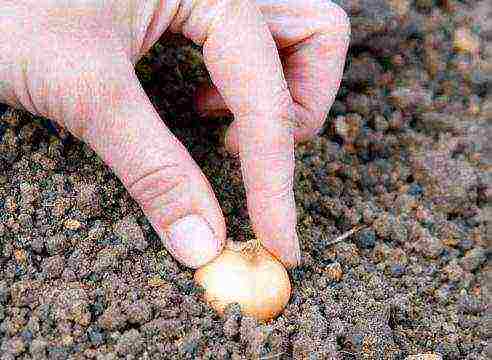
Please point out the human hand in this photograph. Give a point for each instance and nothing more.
(74, 64)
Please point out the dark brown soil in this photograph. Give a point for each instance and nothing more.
(84, 276)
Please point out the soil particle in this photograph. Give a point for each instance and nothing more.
(139, 312)
(113, 318)
(107, 258)
(95, 336)
(14, 346)
(404, 152)
(56, 244)
(87, 198)
(450, 183)
(53, 266)
(130, 233)
(424, 243)
(428, 356)
(366, 238)
(190, 344)
(129, 343)
(405, 98)
(25, 293)
(473, 259)
(453, 271)
(347, 254)
(334, 272)
(348, 127)
(232, 320)
(70, 303)
(38, 348)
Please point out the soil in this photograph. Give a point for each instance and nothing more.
(405, 153)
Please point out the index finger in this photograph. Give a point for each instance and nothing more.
(244, 65)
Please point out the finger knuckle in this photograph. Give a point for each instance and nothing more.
(159, 184)
(280, 190)
(268, 170)
(81, 92)
(277, 108)
(275, 158)
(197, 19)
(283, 106)
(280, 194)
(311, 120)
(265, 187)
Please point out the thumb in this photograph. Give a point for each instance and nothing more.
(118, 121)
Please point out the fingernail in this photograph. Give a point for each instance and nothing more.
(192, 242)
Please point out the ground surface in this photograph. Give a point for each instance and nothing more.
(405, 152)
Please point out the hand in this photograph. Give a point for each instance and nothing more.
(74, 64)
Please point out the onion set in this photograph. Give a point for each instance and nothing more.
(247, 274)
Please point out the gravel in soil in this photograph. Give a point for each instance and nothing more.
(405, 153)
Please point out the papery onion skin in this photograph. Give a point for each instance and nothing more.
(248, 275)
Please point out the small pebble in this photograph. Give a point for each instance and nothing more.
(453, 271)
(397, 270)
(53, 266)
(16, 346)
(231, 328)
(27, 336)
(38, 348)
(95, 336)
(465, 244)
(130, 234)
(56, 244)
(430, 245)
(107, 258)
(112, 318)
(190, 343)
(396, 121)
(473, 259)
(72, 224)
(37, 244)
(415, 190)
(366, 238)
(347, 253)
(130, 343)
(465, 41)
(443, 293)
(348, 127)
(138, 312)
(428, 356)
(334, 271)
(379, 123)
(20, 255)
(67, 340)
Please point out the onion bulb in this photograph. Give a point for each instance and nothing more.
(247, 274)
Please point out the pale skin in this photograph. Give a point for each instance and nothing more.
(275, 65)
